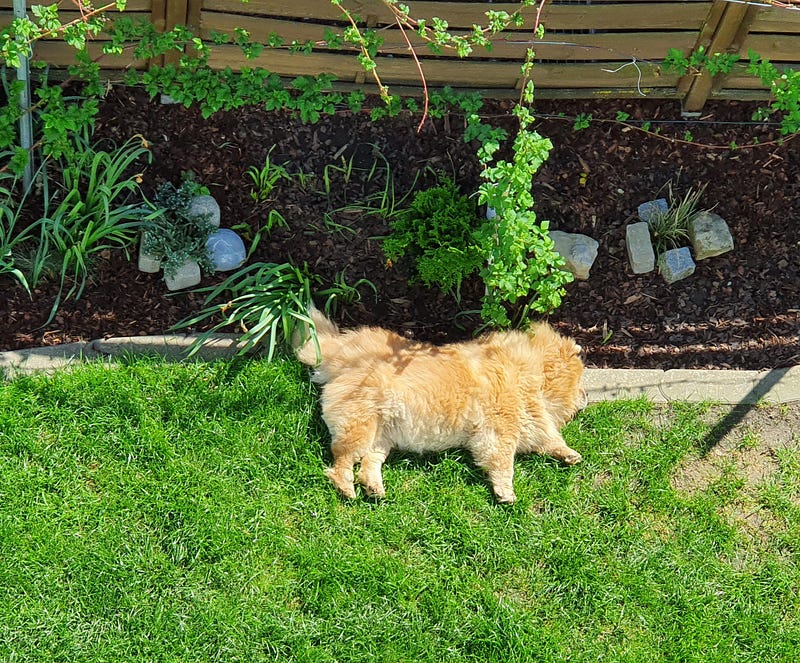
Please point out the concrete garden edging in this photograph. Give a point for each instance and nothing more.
(781, 385)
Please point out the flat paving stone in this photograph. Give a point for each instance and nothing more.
(46, 359)
(780, 385)
(170, 346)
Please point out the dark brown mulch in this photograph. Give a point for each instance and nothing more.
(739, 310)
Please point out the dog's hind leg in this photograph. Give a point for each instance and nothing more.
(495, 454)
(350, 444)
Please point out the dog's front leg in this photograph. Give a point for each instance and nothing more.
(369, 474)
(350, 443)
(548, 441)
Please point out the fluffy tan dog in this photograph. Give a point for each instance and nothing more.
(502, 394)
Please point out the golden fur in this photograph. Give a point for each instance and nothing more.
(503, 393)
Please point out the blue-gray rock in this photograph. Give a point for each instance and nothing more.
(226, 250)
(676, 264)
(652, 208)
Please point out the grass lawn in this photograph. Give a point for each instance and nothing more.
(178, 512)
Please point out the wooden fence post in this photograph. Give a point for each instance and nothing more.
(158, 16)
(176, 13)
(724, 30)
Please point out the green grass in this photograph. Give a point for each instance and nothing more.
(178, 512)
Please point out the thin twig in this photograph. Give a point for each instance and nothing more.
(83, 19)
(421, 75)
(536, 24)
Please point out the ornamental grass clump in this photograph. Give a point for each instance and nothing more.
(267, 302)
(670, 229)
(173, 233)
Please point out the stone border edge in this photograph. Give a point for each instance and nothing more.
(730, 387)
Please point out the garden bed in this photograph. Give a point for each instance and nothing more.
(738, 310)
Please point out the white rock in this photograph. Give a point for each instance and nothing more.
(676, 264)
(710, 235)
(206, 205)
(185, 277)
(651, 208)
(579, 252)
(147, 263)
(640, 247)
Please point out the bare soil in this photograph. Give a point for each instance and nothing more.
(746, 446)
(738, 310)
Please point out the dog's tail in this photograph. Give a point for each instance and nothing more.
(310, 343)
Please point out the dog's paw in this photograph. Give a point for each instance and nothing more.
(506, 498)
(376, 492)
(572, 458)
(347, 489)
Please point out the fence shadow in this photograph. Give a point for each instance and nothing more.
(739, 411)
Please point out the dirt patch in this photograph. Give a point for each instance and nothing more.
(744, 456)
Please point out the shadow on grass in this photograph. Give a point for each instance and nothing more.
(739, 412)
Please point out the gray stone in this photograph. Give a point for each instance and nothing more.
(781, 385)
(206, 205)
(147, 263)
(710, 235)
(640, 248)
(226, 250)
(185, 277)
(652, 208)
(579, 252)
(676, 264)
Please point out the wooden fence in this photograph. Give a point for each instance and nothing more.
(591, 48)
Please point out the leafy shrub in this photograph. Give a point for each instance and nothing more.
(437, 234)
(89, 211)
(10, 235)
(521, 268)
(173, 233)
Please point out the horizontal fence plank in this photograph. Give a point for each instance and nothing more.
(739, 79)
(70, 16)
(132, 5)
(780, 48)
(631, 15)
(512, 45)
(447, 72)
(59, 54)
(776, 19)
